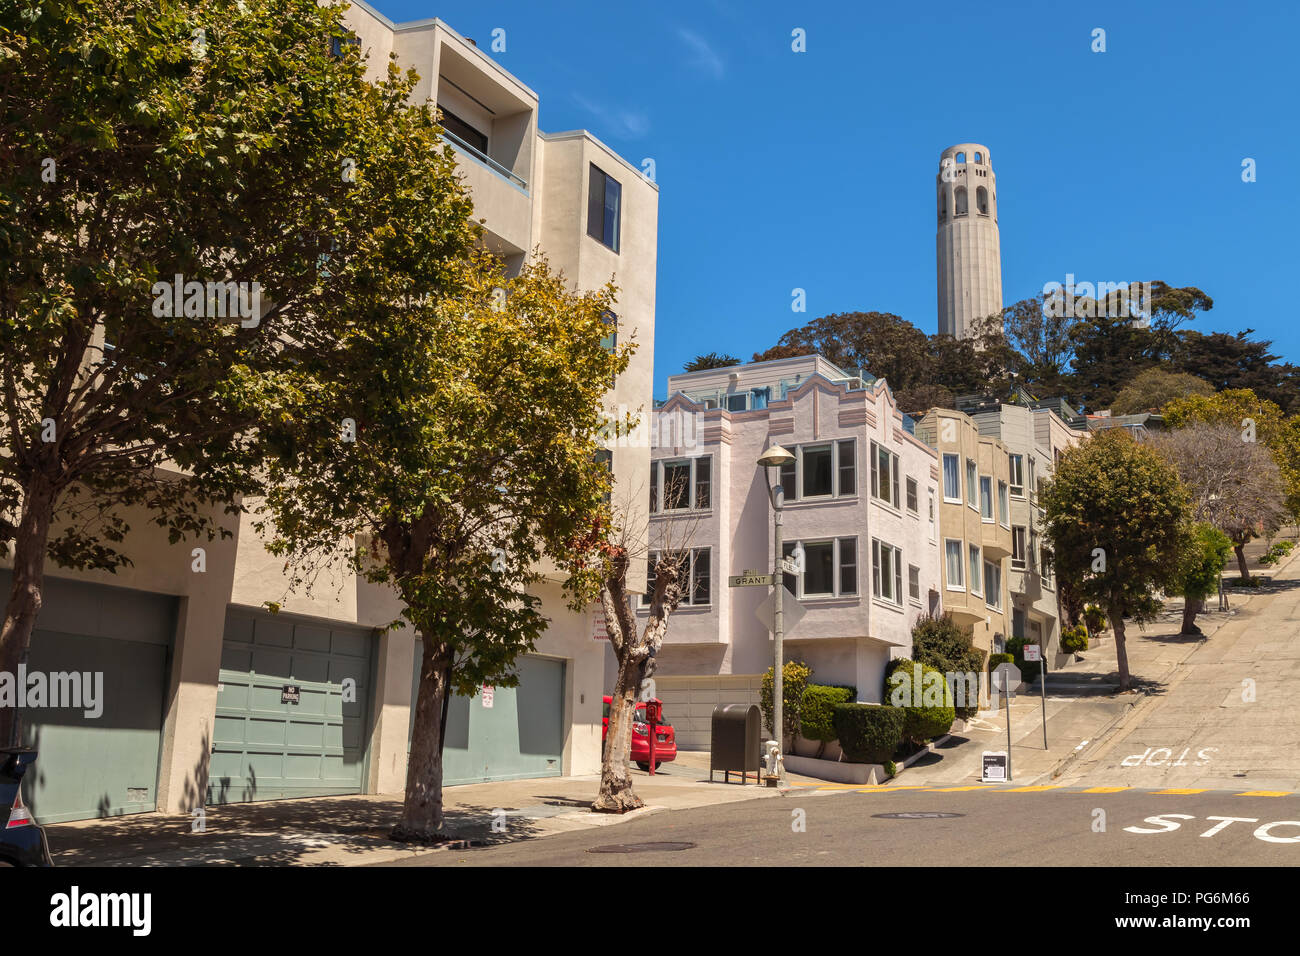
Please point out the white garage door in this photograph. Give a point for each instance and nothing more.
(689, 703)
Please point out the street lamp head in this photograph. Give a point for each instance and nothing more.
(775, 457)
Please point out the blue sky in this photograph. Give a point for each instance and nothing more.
(816, 170)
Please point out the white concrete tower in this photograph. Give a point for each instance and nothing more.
(967, 246)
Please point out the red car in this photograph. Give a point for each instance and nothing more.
(665, 740)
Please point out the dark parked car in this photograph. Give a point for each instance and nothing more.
(22, 842)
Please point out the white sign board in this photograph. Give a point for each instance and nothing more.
(749, 579)
(993, 766)
(598, 632)
(790, 566)
(792, 612)
(1033, 652)
(489, 695)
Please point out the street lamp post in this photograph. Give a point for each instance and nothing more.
(773, 459)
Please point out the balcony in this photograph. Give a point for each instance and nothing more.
(482, 158)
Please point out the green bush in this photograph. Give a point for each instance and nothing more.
(816, 716)
(869, 733)
(923, 722)
(794, 679)
(1095, 618)
(1074, 639)
(942, 643)
(996, 659)
(891, 768)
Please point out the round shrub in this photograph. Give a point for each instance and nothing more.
(868, 733)
(929, 707)
(1095, 618)
(996, 659)
(816, 717)
(1074, 639)
(794, 678)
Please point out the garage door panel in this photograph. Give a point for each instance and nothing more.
(236, 659)
(349, 645)
(313, 747)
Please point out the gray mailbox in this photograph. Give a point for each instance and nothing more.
(736, 745)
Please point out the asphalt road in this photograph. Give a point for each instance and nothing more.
(992, 827)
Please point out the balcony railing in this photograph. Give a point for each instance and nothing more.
(485, 159)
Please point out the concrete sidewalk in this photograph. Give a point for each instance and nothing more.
(1079, 723)
(352, 830)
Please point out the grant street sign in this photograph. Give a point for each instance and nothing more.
(750, 579)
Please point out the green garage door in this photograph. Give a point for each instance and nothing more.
(521, 735)
(107, 764)
(266, 746)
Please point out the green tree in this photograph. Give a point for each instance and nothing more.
(1116, 517)
(1205, 562)
(884, 344)
(942, 643)
(1229, 361)
(712, 360)
(475, 467)
(206, 139)
(1151, 390)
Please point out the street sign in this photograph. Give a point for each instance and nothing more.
(1033, 652)
(750, 579)
(993, 767)
(1006, 678)
(792, 612)
(789, 566)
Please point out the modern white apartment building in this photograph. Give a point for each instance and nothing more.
(860, 501)
(1035, 438)
(211, 699)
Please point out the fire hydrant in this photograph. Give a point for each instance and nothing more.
(772, 750)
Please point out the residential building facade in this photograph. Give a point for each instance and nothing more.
(859, 505)
(208, 697)
(974, 525)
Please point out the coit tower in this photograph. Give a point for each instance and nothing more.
(967, 248)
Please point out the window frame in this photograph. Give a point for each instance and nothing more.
(838, 567)
(975, 555)
(996, 594)
(1004, 505)
(692, 577)
(972, 484)
(603, 206)
(986, 493)
(914, 577)
(1019, 545)
(891, 457)
(878, 549)
(1016, 466)
(657, 486)
(912, 491)
(961, 565)
(956, 460)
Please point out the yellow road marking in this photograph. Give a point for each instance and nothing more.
(1038, 789)
(1175, 791)
(955, 789)
(1265, 793)
(1105, 789)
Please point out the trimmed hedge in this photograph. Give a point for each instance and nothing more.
(923, 722)
(1028, 669)
(794, 678)
(869, 733)
(996, 659)
(816, 719)
(1095, 618)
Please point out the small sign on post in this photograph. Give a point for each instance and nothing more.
(489, 696)
(750, 579)
(993, 767)
(1033, 652)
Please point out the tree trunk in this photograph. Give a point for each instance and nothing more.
(616, 794)
(422, 819)
(1121, 651)
(24, 604)
(1241, 561)
(1190, 608)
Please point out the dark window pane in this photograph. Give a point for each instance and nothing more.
(848, 470)
(817, 471)
(677, 486)
(787, 480)
(654, 486)
(848, 566)
(703, 470)
(613, 204)
(819, 577)
(463, 131)
(789, 580)
(596, 205)
(702, 590)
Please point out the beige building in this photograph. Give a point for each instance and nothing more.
(211, 699)
(1034, 438)
(967, 248)
(974, 525)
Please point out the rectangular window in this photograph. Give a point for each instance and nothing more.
(604, 202)
(654, 487)
(1046, 559)
(993, 585)
(986, 499)
(819, 569)
(609, 342)
(788, 485)
(847, 464)
(703, 482)
(467, 134)
(818, 475)
(700, 577)
(953, 565)
(694, 577)
(886, 572)
(848, 566)
(1033, 480)
(951, 478)
(1004, 509)
(884, 475)
(914, 583)
(971, 486)
(912, 504)
(1018, 551)
(338, 45)
(975, 561)
(1017, 463)
(738, 402)
(677, 485)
